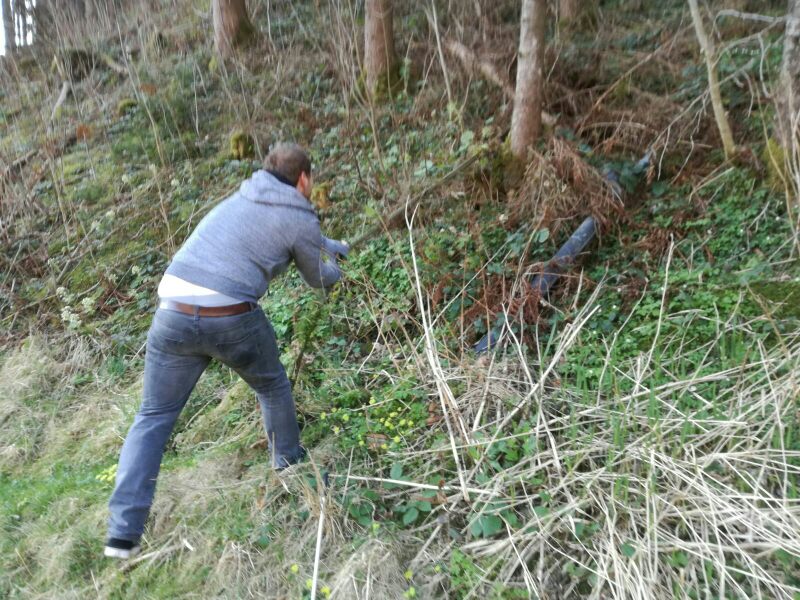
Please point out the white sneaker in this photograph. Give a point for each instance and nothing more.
(116, 548)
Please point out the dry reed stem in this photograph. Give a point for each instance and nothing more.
(684, 508)
(449, 407)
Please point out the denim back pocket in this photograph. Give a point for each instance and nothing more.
(169, 347)
(239, 348)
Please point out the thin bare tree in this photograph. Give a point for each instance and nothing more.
(379, 53)
(787, 98)
(8, 26)
(709, 53)
(43, 24)
(526, 120)
(232, 25)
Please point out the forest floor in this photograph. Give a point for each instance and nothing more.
(638, 435)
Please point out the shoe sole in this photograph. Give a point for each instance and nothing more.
(120, 553)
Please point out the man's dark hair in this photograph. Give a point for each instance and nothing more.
(289, 161)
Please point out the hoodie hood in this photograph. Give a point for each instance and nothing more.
(264, 188)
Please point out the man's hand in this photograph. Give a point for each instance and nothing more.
(336, 248)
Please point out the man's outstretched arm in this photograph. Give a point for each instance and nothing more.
(315, 256)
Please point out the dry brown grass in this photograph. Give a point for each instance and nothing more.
(721, 498)
(559, 186)
(32, 378)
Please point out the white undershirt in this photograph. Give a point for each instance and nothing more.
(179, 290)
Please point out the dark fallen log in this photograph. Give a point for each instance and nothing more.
(563, 260)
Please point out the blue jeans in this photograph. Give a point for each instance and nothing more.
(179, 348)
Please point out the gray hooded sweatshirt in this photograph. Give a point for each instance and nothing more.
(250, 238)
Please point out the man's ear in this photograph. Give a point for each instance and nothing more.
(302, 183)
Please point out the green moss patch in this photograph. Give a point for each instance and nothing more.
(781, 296)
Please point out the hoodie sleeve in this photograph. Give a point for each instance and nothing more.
(335, 247)
(316, 264)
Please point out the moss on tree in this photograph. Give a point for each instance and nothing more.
(775, 159)
(242, 145)
(783, 297)
(126, 105)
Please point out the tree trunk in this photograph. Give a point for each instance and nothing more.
(707, 47)
(787, 98)
(232, 26)
(8, 26)
(43, 22)
(526, 120)
(379, 55)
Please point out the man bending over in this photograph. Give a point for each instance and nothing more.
(208, 309)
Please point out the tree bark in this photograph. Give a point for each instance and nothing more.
(43, 22)
(379, 54)
(232, 26)
(787, 98)
(526, 120)
(8, 26)
(707, 47)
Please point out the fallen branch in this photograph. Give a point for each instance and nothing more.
(489, 71)
(152, 556)
(17, 165)
(112, 64)
(65, 89)
(727, 12)
(422, 486)
(471, 62)
(50, 150)
(318, 547)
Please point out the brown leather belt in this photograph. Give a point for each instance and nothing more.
(207, 311)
